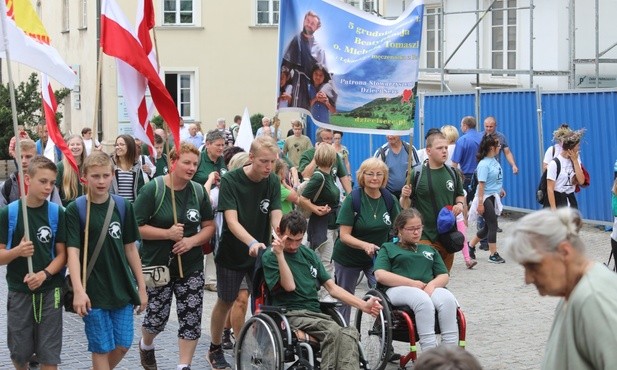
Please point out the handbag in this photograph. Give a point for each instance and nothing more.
(449, 237)
(587, 181)
(156, 276)
(67, 290)
(307, 212)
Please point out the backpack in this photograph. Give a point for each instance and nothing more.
(159, 196)
(383, 151)
(356, 201)
(417, 174)
(52, 217)
(81, 201)
(6, 189)
(473, 185)
(541, 196)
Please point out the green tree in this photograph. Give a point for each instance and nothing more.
(256, 122)
(29, 110)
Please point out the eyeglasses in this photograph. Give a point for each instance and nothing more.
(373, 174)
(416, 229)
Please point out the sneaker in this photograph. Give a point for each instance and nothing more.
(227, 343)
(472, 252)
(483, 246)
(217, 360)
(471, 263)
(210, 287)
(186, 368)
(499, 229)
(496, 258)
(148, 360)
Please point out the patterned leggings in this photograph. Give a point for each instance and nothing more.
(189, 293)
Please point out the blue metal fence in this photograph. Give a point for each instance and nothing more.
(516, 113)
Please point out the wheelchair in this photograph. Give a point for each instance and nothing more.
(267, 341)
(394, 323)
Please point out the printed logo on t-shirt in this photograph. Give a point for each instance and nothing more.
(264, 206)
(165, 170)
(428, 255)
(450, 185)
(334, 171)
(313, 271)
(386, 218)
(43, 234)
(115, 230)
(192, 215)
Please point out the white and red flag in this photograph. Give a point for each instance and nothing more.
(119, 41)
(133, 84)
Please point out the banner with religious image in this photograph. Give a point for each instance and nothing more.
(347, 69)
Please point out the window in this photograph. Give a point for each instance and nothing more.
(83, 14)
(503, 35)
(181, 87)
(366, 5)
(268, 12)
(178, 12)
(433, 37)
(65, 16)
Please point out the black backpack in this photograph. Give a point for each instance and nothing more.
(541, 196)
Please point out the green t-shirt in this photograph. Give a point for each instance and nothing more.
(111, 283)
(286, 205)
(308, 272)
(375, 230)
(60, 185)
(294, 147)
(39, 228)
(445, 190)
(189, 212)
(161, 166)
(330, 194)
(207, 166)
(254, 202)
(338, 170)
(423, 264)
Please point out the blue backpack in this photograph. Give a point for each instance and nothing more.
(81, 208)
(52, 217)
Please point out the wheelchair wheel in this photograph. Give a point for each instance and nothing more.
(259, 345)
(375, 335)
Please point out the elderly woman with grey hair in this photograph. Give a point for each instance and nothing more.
(583, 335)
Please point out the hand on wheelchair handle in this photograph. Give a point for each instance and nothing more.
(254, 249)
(373, 306)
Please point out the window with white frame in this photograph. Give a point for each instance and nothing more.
(181, 87)
(65, 16)
(268, 12)
(83, 14)
(366, 5)
(433, 36)
(503, 35)
(178, 12)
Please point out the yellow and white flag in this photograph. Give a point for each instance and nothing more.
(27, 41)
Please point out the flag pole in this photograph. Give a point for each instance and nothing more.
(20, 169)
(171, 177)
(97, 98)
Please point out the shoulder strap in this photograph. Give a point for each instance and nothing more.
(52, 216)
(417, 174)
(454, 179)
(101, 239)
(80, 202)
(320, 187)
(198, 190)
(120, 206)
(558, 163)
(387, 197)
(13, 214)
(159, 193)
(356, 203)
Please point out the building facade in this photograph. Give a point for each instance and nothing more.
(216, 60)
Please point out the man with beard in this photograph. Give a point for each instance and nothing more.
(301, 55)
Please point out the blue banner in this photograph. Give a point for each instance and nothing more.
(347, 69)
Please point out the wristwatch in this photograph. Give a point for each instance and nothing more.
(48, 275)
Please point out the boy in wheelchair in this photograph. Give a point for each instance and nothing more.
(293, 274)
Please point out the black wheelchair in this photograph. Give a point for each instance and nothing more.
(395, 323)
(268, 342)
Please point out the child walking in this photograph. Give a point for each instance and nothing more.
(34, 308)
(115, 283)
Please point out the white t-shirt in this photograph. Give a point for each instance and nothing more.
(88, 145)
(563, 182)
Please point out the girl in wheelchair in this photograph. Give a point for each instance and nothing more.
(414, 275)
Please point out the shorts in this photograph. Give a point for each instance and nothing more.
(229, 282)
(28, 334)
(107, 329)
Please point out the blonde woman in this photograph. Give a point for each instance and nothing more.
(451, 134)
(67, 179)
